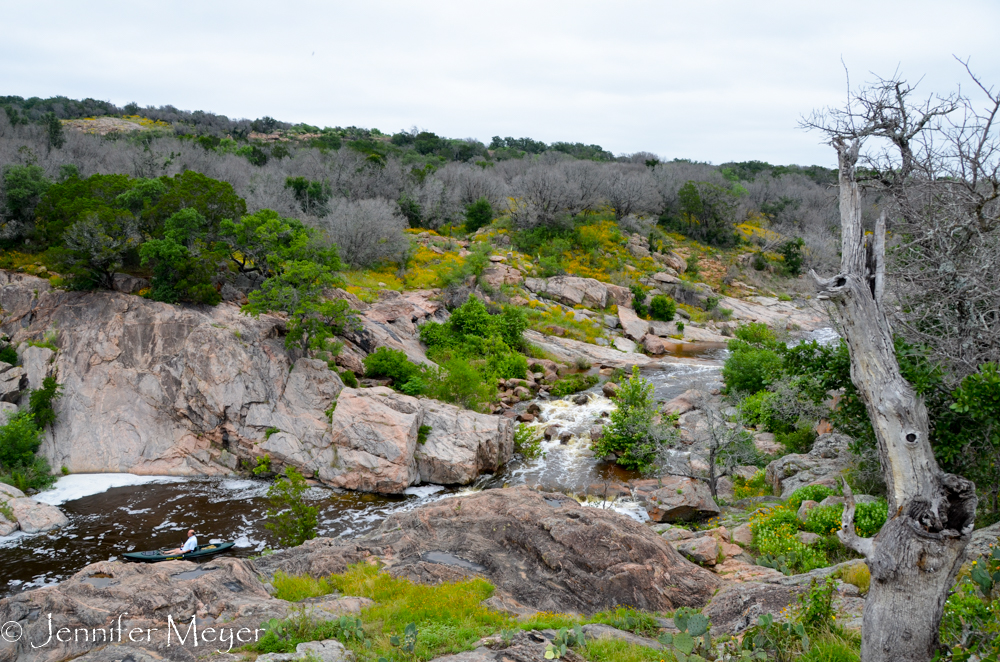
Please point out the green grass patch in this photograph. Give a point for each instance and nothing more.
(449, 617)
(573, 384)
(613, 650)
(299, 587)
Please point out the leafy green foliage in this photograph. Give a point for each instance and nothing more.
(792, 252)
(349, 379)
(391, 364)
(662, 308)
(8, 355)
(54, 133)
(182, 264)
(630, 620)
(808, 493)
(528, 442)
(290, 519)
(573, 384)
(750, 369)
(95, 248)
(478, 214)
(639, 300)
(40, 402)
(423, 432)
(631, 432)
(311, 196)
(970, 629)
(707, 212)
(23, 188)
(561, 643)
(20, 438)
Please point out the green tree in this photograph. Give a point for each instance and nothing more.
(478, 214)
(662, 308)
(707, 213)
(297, 289)
(182, 265)
(311, 196)
(211, 198)
(40, 402)
(792, 252)
(53, 131)
(632, 432)
(95, 248)
(23, 188)
(20, 438)
(71, 200)
(262, 242)
(290, 519)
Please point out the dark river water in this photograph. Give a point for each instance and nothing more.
(156, 515)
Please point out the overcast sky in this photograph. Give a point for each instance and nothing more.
(707, 80)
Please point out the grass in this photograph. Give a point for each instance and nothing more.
(299, 587)
(839, 646)
(449, 617)
(857, 574)
(613, 650)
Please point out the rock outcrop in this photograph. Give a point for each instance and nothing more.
(573, 290)
(675, 498)
(823, 464)
(152, 388)
(226, 591)
(26, 514)
(543, 549)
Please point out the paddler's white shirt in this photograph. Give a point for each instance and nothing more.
(190, 545)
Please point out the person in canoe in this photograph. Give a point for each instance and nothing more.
(190, 545)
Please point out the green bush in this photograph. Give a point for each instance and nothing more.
(662, 308)
(750, 370)
(528, 441)
(573, 384)
(8, 355)
(20, 438)
(290, 519)
(391, 364)
(799, 440)
(40, 402)
(631, 433)
(639, 300)
(808, 493)
(459, 382)
(478, 214)
(869, 518)
(501, 362)
(349, 378)
(774, 532)
(824, 520)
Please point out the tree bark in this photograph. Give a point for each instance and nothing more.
(915, 557)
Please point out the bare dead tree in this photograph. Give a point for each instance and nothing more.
(915, 557)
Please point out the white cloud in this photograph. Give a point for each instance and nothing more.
(708, 80)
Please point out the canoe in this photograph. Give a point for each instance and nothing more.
(157, 555)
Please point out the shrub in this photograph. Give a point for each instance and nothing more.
(792, 252)
(528, 441)
(573, 384)
(392, 364)
(349, 379)
(750, 370)
(631, 433)
(662, 308)
(639, 300)
(8, 355)
(478, 214)
(40, 402)
(808, 493)
(756, 486)
(824, 520)
(774, 532)
(797, 441)
(20, 438)
(869, 518)
(460, 383)
(290, 519)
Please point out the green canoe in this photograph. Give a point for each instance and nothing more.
(157, 555)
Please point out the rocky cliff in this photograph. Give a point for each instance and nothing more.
(153, 388)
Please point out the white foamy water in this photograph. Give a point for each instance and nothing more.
(77, 486)
(423, 490)
(625, 507)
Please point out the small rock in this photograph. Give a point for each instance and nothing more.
(625, 345)
(807, 538)
(565, 436)
(704, 550)
(534, 409)
(675, 533)
(765, 443)
(526, 418)
(610, 389)
(833, 501)
(551, 432)
(742, 535)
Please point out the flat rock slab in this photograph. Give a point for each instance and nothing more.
(737, 606)
(328, 650)
(544, 550)
(602, 631)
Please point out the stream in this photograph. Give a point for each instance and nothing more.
(110, 514)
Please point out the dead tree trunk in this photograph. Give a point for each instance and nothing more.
(916, 555)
